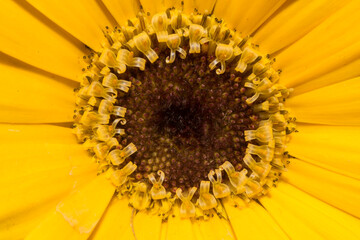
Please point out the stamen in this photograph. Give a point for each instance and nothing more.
(143, 44)
(206, 200)
(187, 208)
(220, 189)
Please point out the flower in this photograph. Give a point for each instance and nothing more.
(49, 183)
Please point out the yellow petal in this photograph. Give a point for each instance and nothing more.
(147, 226)
(77, 215)
(188, 6)
(252, 222)
(215, 229)
(334, 148)
(29, 149)
(341, 72)
(40, 165)
(322, 50)
(29, 37)
(337, 104)
(179, 228)
(30, 96)
(246, 16)
(34, 195)
(294, 21)
(332, 188)
(83, 19)
(116, 222)
(122, 10)
(327, 221)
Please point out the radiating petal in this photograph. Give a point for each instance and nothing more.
(147, 226)
(289, 205)
(83, 19)
(31, 149)
(116, 222)
(337, 104)
(335, 148)
(178, 228)
(122, 10)
(29, 96)
(331, 45)
(188, 6)
(293, 21)
(246, 16)
(332, 188)
(40, 164)
(215, 228)
(77, 215)
(252, 221)
(27, 36)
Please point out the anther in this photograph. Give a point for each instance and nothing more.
(173, 42)
(160, 24)
(206, 200)
(237, 179)
(196, 32)
(187, 208)
(220, 189)
(223, 53)
(143, 44)
(110, 80)
(119, 177)
(157, 191)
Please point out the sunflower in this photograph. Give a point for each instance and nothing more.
(53, 189)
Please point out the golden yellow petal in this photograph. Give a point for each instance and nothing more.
(116, 221)
(337, 104)
(332, 44)
(122, 10)
(29, 149)
(83, 19)
(252, 222)
(327, 221)
(40, 165)
(179, 229)
(30, 96)
(335, 148)
(29, 37)
(147, 226)
(335, 189)
(246, 16)
(215, 229)
(294, 21)
(78, 214)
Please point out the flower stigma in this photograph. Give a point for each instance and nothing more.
(179, 109)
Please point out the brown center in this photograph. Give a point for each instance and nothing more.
(185, 119)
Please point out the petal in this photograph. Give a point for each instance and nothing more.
(294, 21)
(147, 226)
(122, 10)
(29, 37)
(252, 221)
(321, 50)
(289, 205)
(77, 215)
(246, 16)
(178, 228)
(215, 228)
(188, 6)
(83, 19)
(31, 149)
(334, 148)
(30, 96)
(40, 165)
(337, 104)
(116, 221)
(332, 188)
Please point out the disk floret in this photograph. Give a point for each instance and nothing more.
(111, 78)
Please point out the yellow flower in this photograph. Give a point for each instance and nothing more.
(49, 187)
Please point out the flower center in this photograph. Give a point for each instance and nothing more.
(185, 120)
(175, 103)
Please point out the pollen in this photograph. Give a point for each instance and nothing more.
(179, 109)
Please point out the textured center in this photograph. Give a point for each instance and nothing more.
(185, 119)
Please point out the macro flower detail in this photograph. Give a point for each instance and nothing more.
(198, 120)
